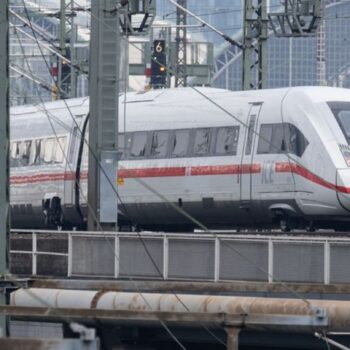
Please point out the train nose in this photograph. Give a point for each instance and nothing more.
(343, 187)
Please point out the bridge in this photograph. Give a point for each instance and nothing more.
(197, 267)
(220, 257)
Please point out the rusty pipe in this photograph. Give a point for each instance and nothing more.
(337, 312)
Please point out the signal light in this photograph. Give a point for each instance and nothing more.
(158, 64)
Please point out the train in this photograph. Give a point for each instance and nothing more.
(230, 160)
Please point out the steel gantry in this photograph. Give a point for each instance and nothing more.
(294, 18)
(67, 73)
(181, 39)
(255, 33)
(298, 18)
(4, 154)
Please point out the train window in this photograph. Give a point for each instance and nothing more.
(271, 139)
(139, 143)
(202, 142)
(85, 152)
(37, 152)
(25, 152)
(344, 118)
(58, 153)
(73, 141)
(159, 144)
(47, 151)
(278, 142)
(281, 138)
(227, 140)
(251, 126)
(180, 143)
(14, 156)
(341, 111)
(265, 137)
(20, 151)
(297, 142)
(121, 145)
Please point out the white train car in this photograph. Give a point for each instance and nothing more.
(229, 159)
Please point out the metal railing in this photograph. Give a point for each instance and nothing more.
(168, 256)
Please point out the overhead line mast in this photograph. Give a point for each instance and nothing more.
(110, 20)
(181, 44)
(255, 33)
(4, 155)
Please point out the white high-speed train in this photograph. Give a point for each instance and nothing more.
(262, 157)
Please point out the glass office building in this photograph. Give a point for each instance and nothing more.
(296, 61)
(225, 15)
(291, 61)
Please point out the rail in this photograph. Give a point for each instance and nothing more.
(175, 256)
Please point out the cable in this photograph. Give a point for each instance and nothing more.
(163, 198)
(199, 224)
(67, 162)
(147, 251)
(326, 340)
(204, 227)
(246, 126)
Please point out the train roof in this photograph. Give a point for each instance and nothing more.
(187, 95)
(177, 108)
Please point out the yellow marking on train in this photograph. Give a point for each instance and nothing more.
(120, 181)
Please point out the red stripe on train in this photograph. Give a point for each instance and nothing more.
(181, 171)
(147, 172)
(299, 170)
(152, 172)
(27, 179)
(214, 170)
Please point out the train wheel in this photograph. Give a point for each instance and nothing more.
(285, 224)
(310, 226)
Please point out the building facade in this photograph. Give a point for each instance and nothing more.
(297, 61)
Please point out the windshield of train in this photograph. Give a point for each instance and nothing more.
(341, 111)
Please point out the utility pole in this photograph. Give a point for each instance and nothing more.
(255, 33)
(321, 54)
(4, 154)
(104, 112)
(62, 45)
(67, 73)
(110, 19)
(299, 18)
(181, 44)
(72, 41)
(168, 56)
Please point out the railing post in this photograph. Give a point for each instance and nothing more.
(116, 256)
(270, 260)
(70, 255)
(327, 262)
(165, 257)
(34, 255)
(217, 260)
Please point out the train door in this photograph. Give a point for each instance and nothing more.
(247, 166)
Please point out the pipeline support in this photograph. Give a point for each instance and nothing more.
(232, 338)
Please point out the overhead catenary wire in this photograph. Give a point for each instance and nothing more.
(197, 222)
(190, 217)
(206, 24)
(49, 306)
(147, 251)
(209, 231)
(90, 209)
